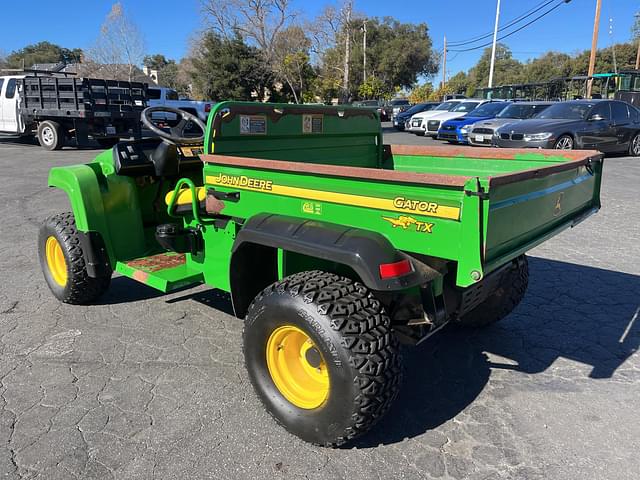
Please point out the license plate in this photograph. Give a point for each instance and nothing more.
(111, 130)
(479, 138)
(415, 124)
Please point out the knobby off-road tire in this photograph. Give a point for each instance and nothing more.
(502, 302)
(62, 262)
(358, 353)
(50, 135)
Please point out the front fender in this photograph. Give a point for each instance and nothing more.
(80, 184)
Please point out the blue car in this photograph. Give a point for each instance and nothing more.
(457, 129)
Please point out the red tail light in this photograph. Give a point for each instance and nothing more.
(207, 107)
(397, 269)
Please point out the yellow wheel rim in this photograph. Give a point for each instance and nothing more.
(55, 261)
(297, 367)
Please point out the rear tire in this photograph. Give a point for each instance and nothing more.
(50, 135)
(62, 262)
(354, 347)
(504, 300)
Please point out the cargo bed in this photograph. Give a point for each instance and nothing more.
(481, 208)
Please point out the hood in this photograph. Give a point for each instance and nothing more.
(496, 122)
(406, 116)
(430, 113)
(462, 121)
(540, 125)
(442, 116)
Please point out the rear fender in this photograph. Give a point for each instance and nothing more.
(254, 263)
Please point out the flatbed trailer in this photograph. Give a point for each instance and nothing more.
(333, 246)
(57, 109)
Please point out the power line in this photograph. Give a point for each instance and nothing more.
(514, 31)
(518, 19)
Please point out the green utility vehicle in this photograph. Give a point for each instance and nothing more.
(333, 246)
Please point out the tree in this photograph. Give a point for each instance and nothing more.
(257, 22)
(119, 45)
(331, 37)
(291, 60)
(459, 83)
(229, 69)
(168, 72)
(374, 88)
(421, 93)
(507, 70)
(397, 53)
(157, 61)
(43, 52)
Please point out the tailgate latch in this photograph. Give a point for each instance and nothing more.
(480, 193)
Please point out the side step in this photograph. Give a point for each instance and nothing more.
(165, 271)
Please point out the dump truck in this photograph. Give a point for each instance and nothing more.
(334, 247)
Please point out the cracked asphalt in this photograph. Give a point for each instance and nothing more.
(144, 386)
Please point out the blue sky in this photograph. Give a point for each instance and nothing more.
(167, 25)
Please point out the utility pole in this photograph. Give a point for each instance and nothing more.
(444, 63)
(364, 52)
(638, 54)
(347, 49)
(493, 48)
(594, 46)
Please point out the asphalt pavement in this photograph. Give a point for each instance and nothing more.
(146, 386)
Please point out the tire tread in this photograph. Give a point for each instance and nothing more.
(366, 332)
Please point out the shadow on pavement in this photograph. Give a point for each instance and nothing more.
(125, 290)
(213, 298)
(588, 315)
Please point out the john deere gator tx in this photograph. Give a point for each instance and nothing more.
(333, 246)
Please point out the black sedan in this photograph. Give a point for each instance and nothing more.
(605, 125)
(402, 117)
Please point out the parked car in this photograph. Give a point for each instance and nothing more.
(605, 125)
(168, 97)
(463, 107)
(56, 108)
(456, 130)
(454, 96)
(399, 120)
(418, 122)
(373, 104)
(482, 132)
(394, 107)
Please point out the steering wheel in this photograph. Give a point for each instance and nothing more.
(175, 134)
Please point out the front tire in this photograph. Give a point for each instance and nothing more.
(634, 146)
(62, 262)
(321, 356)
(50, 135)
(504, 300)
(564, 142)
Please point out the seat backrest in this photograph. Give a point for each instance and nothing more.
(300, 133)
